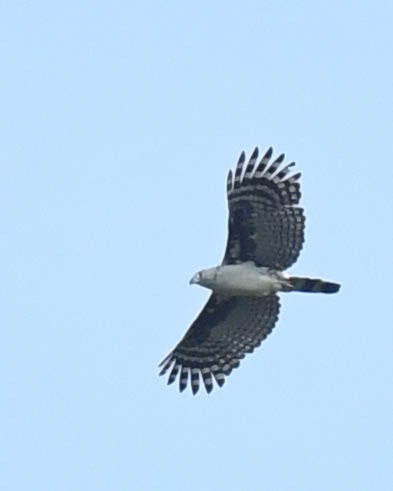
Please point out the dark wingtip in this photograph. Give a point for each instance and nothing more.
(164, 360)
(280, 158)
(209, 388)
(295, 177)
(242, 157)
(220, 378)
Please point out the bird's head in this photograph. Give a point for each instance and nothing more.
(195, 280)
(205, 277)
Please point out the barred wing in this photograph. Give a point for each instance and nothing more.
(265, 225)
(222, 334)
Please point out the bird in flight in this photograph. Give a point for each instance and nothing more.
(265, 236)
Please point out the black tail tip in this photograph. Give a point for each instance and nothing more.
(331, 287)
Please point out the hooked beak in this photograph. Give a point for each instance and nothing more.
(195, 279)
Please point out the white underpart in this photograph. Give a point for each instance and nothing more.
(244, 279)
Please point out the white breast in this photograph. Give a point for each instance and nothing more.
(245, 280)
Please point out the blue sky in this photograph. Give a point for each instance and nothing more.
(118, 125)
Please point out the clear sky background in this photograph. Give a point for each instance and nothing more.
(119, 121)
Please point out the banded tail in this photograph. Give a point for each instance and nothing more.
(313, 285)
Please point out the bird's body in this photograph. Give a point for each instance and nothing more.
(243, 280)
(265, 236)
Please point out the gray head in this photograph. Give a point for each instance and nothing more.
(205, 277)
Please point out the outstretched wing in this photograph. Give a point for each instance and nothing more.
(222, 334)
(265, 225)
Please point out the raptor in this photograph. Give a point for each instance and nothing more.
(265, 236)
